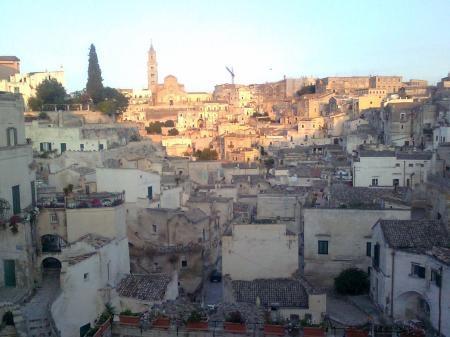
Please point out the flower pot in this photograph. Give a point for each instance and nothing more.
(103, 329)
(313, 332)
(352, 332)
(273, 330)
(197, 326)
(161, 323)
(234, 327)
(129, 320)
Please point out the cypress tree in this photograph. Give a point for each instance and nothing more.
(94, 85)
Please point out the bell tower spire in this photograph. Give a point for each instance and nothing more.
(152, 69)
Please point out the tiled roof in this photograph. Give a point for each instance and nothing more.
(366, 197)
(195, 215)
(287, 293)
(414, 155)
(417, 235)
(94, 240)
(441, 254)
(144, 287)
(9, 58)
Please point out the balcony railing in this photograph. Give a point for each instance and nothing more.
(93, 200)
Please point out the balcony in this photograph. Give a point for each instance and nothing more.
(51, 199)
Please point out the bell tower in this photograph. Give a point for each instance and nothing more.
(152, 68)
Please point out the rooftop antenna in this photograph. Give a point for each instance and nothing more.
(231, 71)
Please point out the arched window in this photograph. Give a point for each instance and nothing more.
(11, 135)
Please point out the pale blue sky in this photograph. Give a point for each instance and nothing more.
(263, 39)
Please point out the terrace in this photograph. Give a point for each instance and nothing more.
(48, 198)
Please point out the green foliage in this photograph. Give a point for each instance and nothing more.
(352, 281)
(94, 85)
(169, 123)
(34, 104)
(80, 97)
(195, 316)
(235, 317)
(206, 154)
(173, 132)
(49, 91)
(154, 128)
(128, 312)
(112, 101)
(42, 115)
(309, 89)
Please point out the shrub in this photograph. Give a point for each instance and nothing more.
(352, 281)
(195, 316)
(128, 312)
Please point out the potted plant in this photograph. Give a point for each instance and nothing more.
(161, 322)
(196, 322)
(234, 323)
(310, 329)
(128, 317)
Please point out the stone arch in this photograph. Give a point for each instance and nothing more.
(411, 305)
(51, 263)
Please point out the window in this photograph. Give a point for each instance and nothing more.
(322, 247)
(374, 181)
(150, 192)
(397, 165)
(154, 228)
(417, 270)
(100, 147)
(53, 218)
(395, 182)
(368, 248)
(11, 134)
(184, 264)
(410, 165)
(81, 147)
(436, 277)
(376, 256)
(86, 276)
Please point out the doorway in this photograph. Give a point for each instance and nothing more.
(9, 267)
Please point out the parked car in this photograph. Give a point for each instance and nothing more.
(215, 276)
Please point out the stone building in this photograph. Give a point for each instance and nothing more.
(259, 251)
(342, 85)
(410, 271)
(9, 65)
(391, 84)
(26, 84)
(337, 237)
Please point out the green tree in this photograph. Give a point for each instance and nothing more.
(94, 85)
(352, 281)
(113, 101)
(173, 132)
(154, 128)
(308, 89)
(80, 97)
(34, 104)
(49, 91)
(206, 154)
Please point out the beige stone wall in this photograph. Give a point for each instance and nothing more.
(106, 221)
(259, 251)
(347, 232)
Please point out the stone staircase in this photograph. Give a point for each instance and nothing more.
(36, 315)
